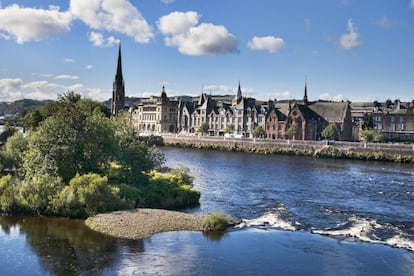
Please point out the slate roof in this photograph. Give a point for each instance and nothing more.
(334, 112)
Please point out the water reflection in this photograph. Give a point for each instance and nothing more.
(66, 247)
(41, 246)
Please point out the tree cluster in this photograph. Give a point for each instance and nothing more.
(74, 161)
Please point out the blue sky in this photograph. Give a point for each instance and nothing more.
(346, 49)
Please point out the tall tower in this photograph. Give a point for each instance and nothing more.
(305, 96)
(118, 92)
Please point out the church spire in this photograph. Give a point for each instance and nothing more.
(118, 75)
(118, 92)
(239, 94)
(305, 96)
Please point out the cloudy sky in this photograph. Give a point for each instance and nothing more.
(346, 49)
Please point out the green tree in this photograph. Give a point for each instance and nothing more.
(13, 151)
(133, 155)
(258, 131)
(6, 133)
(229, 128)
(203, 128)
(370, 135)
(367, 121)
(330, 132)
(292, 131)
(77, 138)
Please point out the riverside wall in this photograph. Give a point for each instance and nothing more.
(325, 149)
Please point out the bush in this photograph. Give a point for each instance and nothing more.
(88, 195)
(36, 195)
(7, 194)
(169, 190)
(328, 152)
(217, 222)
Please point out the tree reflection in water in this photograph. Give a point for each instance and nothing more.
(66, 246)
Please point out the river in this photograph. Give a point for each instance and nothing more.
(299, 216)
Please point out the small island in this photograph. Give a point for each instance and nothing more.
(143, 223)
(76, 161)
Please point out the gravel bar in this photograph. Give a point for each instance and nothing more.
(143, 223)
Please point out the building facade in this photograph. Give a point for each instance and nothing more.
(155, 115)
(236, 117)
(306, 120)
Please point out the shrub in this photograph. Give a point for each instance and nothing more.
(7, 194)
(328, 151)
(169, 190)
(36, 195)
(88, 195)
(217, 222)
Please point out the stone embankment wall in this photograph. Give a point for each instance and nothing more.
(327, 149)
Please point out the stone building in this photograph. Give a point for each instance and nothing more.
(242, 114)
(156, 114)
(394, 119)
(310, 119)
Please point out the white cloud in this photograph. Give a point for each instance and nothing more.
(284, 95)
(98, 40)
(181, 31)
(329, 97)
(412, 4)
(10, 83)
(167, 1)
(66, 77)
(29, 24)
(178, 22)
(68, 60)
(218, 89)
(268, 43)
(113, 15)
(16, 89)
(89, 66)
(42, 75)
(350, 39)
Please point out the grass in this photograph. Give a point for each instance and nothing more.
(217, 222)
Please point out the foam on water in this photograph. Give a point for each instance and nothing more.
(362, 229)
(273, 218)
(269, 219)
(365, 230)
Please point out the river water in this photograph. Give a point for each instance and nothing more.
(299, 216)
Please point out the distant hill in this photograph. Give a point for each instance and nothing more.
(18, 107)
(129, 101)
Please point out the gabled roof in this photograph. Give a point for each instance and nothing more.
(307, 112)
(334, 112)
(279, 115)
(283, 107)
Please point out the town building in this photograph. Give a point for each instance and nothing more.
(309, 119)
(394, 119)
(156, 114)
(238, 117)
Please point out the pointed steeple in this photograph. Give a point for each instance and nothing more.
(118, 92)
(118, 75)
(305, 96)
(239, 94)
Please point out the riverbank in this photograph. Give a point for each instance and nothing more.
(317, 149)
(143, 223)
